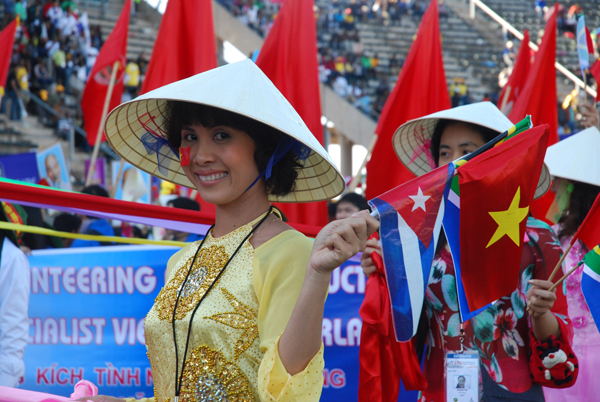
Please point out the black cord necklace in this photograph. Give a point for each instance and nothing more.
(179, 376)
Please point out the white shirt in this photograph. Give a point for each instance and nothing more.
(14, 322)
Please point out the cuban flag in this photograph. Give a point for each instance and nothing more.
(411, 219)
(590, 282)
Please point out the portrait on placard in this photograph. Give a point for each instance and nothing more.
(53, 167)
(133, 185)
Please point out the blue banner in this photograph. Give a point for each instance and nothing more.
(86, 315)
(21, 167)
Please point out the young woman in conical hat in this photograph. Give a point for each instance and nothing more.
(575, 166)
(505, 334)
(241, 313)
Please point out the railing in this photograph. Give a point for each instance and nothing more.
(519, 35)
(50, 110)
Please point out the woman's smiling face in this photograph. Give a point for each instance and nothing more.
(222, 164)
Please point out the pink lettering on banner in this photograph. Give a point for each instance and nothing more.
(149, 379)
(341, 279)
(334, 378)
(55, 375)
(96, 280)
(113, 376)
(333, 329)
(77, 331)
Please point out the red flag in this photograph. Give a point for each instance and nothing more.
(7, 41)
(595, 70)
(518, 77)
(96, 88)
(289, 58)
(589, 231)
(185, 44)
(383, 361)
(538, 99)
(496, 190)
(420, 90)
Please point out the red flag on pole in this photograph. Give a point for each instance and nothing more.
(589, 231)
(518, 78)
(185, 44)
(94, 94)
(595, 70)
(420, 90)
(538, 99)
(289, 58)
(7, 41)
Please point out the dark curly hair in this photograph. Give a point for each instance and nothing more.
(487, 134)
(582, 199)
(179, 114)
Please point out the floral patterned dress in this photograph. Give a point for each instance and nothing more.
(499, 334)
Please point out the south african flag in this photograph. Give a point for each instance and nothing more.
(590, 282)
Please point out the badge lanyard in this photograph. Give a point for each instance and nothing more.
(462, 373)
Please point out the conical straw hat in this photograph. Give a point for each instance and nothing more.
(577, 157)
(412, 140)
(239, 88)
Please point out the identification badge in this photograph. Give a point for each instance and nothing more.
(462, 377)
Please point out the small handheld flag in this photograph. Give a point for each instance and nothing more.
(411, 219)
(590, 282)
(184, 156)
(585, 46)
(589, 231)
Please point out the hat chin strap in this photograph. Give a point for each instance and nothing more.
(285, 145)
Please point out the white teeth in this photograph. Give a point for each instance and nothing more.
(212, 177)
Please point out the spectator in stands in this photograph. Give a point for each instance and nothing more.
(69, 223)
(183, 203)
(349, 204)
(12, 94)
(60, 65)
(94, 226)
(20, 10)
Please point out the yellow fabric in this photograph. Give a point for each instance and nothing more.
(22, 77)
(68, 235)
(133, 74)
(237, 327)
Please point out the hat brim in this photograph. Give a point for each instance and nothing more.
(412, 142)
(318, 178)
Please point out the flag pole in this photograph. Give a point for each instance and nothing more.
(113, 191)
(356, 178)
(560, 262)
(565, 276)
(111, 84)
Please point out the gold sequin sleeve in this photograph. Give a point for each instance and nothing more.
(279, 268)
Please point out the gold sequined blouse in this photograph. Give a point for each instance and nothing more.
(233, 351)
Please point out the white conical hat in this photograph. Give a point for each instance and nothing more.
(240, 88)
(577, 157)
(411, 140)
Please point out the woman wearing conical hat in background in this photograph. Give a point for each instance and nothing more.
(575, 165)
(240, 316)
(501, 334)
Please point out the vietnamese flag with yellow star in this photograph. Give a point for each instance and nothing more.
(496, 191)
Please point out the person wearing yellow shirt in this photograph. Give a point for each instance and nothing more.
(240, 316)
(132, 77)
